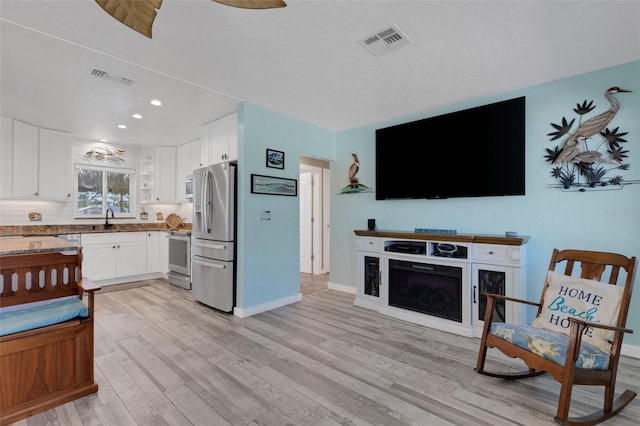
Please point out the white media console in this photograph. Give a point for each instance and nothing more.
(436, 279)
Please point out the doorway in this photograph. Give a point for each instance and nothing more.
(314, 216)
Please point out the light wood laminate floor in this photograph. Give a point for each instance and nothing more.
(163, 359)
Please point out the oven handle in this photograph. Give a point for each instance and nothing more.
(211, 246)
(209, 265)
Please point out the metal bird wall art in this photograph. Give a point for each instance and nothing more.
(140, 14)
(577, 165)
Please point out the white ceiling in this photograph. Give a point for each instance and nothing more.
(304, 60)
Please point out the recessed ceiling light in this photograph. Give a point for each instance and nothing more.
(138, 116)
(121, 126)
(156, 102)
(102, 140)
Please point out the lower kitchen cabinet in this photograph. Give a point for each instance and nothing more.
(114, 255)
(157, 252)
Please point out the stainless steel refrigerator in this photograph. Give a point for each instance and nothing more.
(213, 251)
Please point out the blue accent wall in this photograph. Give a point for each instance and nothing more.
(269, 250)
(602, 220)
(268, 261)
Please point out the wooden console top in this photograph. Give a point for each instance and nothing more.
(465, 238)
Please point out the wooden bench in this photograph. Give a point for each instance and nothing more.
(50, 365)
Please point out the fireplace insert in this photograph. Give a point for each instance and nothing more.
(429, 289)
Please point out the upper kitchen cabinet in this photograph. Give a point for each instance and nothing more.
(158, 175)
(40, 167)
(188, 159)
(220, 140)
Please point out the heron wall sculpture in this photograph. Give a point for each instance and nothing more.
(576, 159)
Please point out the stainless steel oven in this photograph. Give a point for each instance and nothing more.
(180, 259)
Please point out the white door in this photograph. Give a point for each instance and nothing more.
(326, 176)
(306, 209)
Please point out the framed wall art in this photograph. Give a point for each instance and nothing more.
(275, 159)
(271, 185)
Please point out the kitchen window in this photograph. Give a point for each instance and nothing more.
(101, 188)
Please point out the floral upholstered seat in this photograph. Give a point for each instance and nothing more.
(549, 345)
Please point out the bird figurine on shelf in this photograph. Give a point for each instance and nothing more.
(354, 185)
(353, 170)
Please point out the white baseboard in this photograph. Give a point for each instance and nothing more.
(341, 287)
(631, 351)
(243, 313)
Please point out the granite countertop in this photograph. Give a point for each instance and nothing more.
(40, 230)
(26, 245)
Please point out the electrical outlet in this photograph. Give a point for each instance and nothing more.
(265, 215)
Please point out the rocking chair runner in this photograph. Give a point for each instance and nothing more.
(572, 350)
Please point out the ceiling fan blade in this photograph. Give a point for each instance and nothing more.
(135, 14)
(253, 4)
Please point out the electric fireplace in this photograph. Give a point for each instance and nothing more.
(426, 288)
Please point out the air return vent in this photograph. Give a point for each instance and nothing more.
(111, 77)
(385, 41)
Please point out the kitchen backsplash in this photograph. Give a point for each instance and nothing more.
(14, 212)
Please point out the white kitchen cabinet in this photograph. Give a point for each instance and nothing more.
(165, 168)
(153, 251)
(24, 178)
(163, 260)
(54, 167)
(196, 155)
(157, 252)
(185, 166)
(113, 255)
(6, 157)
(41, 160)
(158, 175)
(219, 140)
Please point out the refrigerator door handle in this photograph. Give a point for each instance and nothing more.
(209, 265)
(211, 246)
(205, 202)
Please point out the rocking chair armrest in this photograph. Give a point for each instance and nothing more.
(602, 326)
(507, 298)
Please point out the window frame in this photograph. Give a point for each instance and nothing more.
(106, 169)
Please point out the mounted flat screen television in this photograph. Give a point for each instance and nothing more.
(477, 152)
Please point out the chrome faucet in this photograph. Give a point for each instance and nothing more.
(108, 225)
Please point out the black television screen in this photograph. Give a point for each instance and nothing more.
(477, 152)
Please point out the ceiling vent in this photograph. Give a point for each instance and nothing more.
(111, 77)
(385, 41)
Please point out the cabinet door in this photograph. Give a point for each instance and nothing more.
(131, 256)
(204, 146)
(54, 166)
(196, 159)
(163, 256)
(232, 128)
(24, 182)
(165, 174)
(98, 259)
(369, 280)
(491, 279)
(183, 169)
(219, 141)
(153, 251)
(147, 176)
(6, 157)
